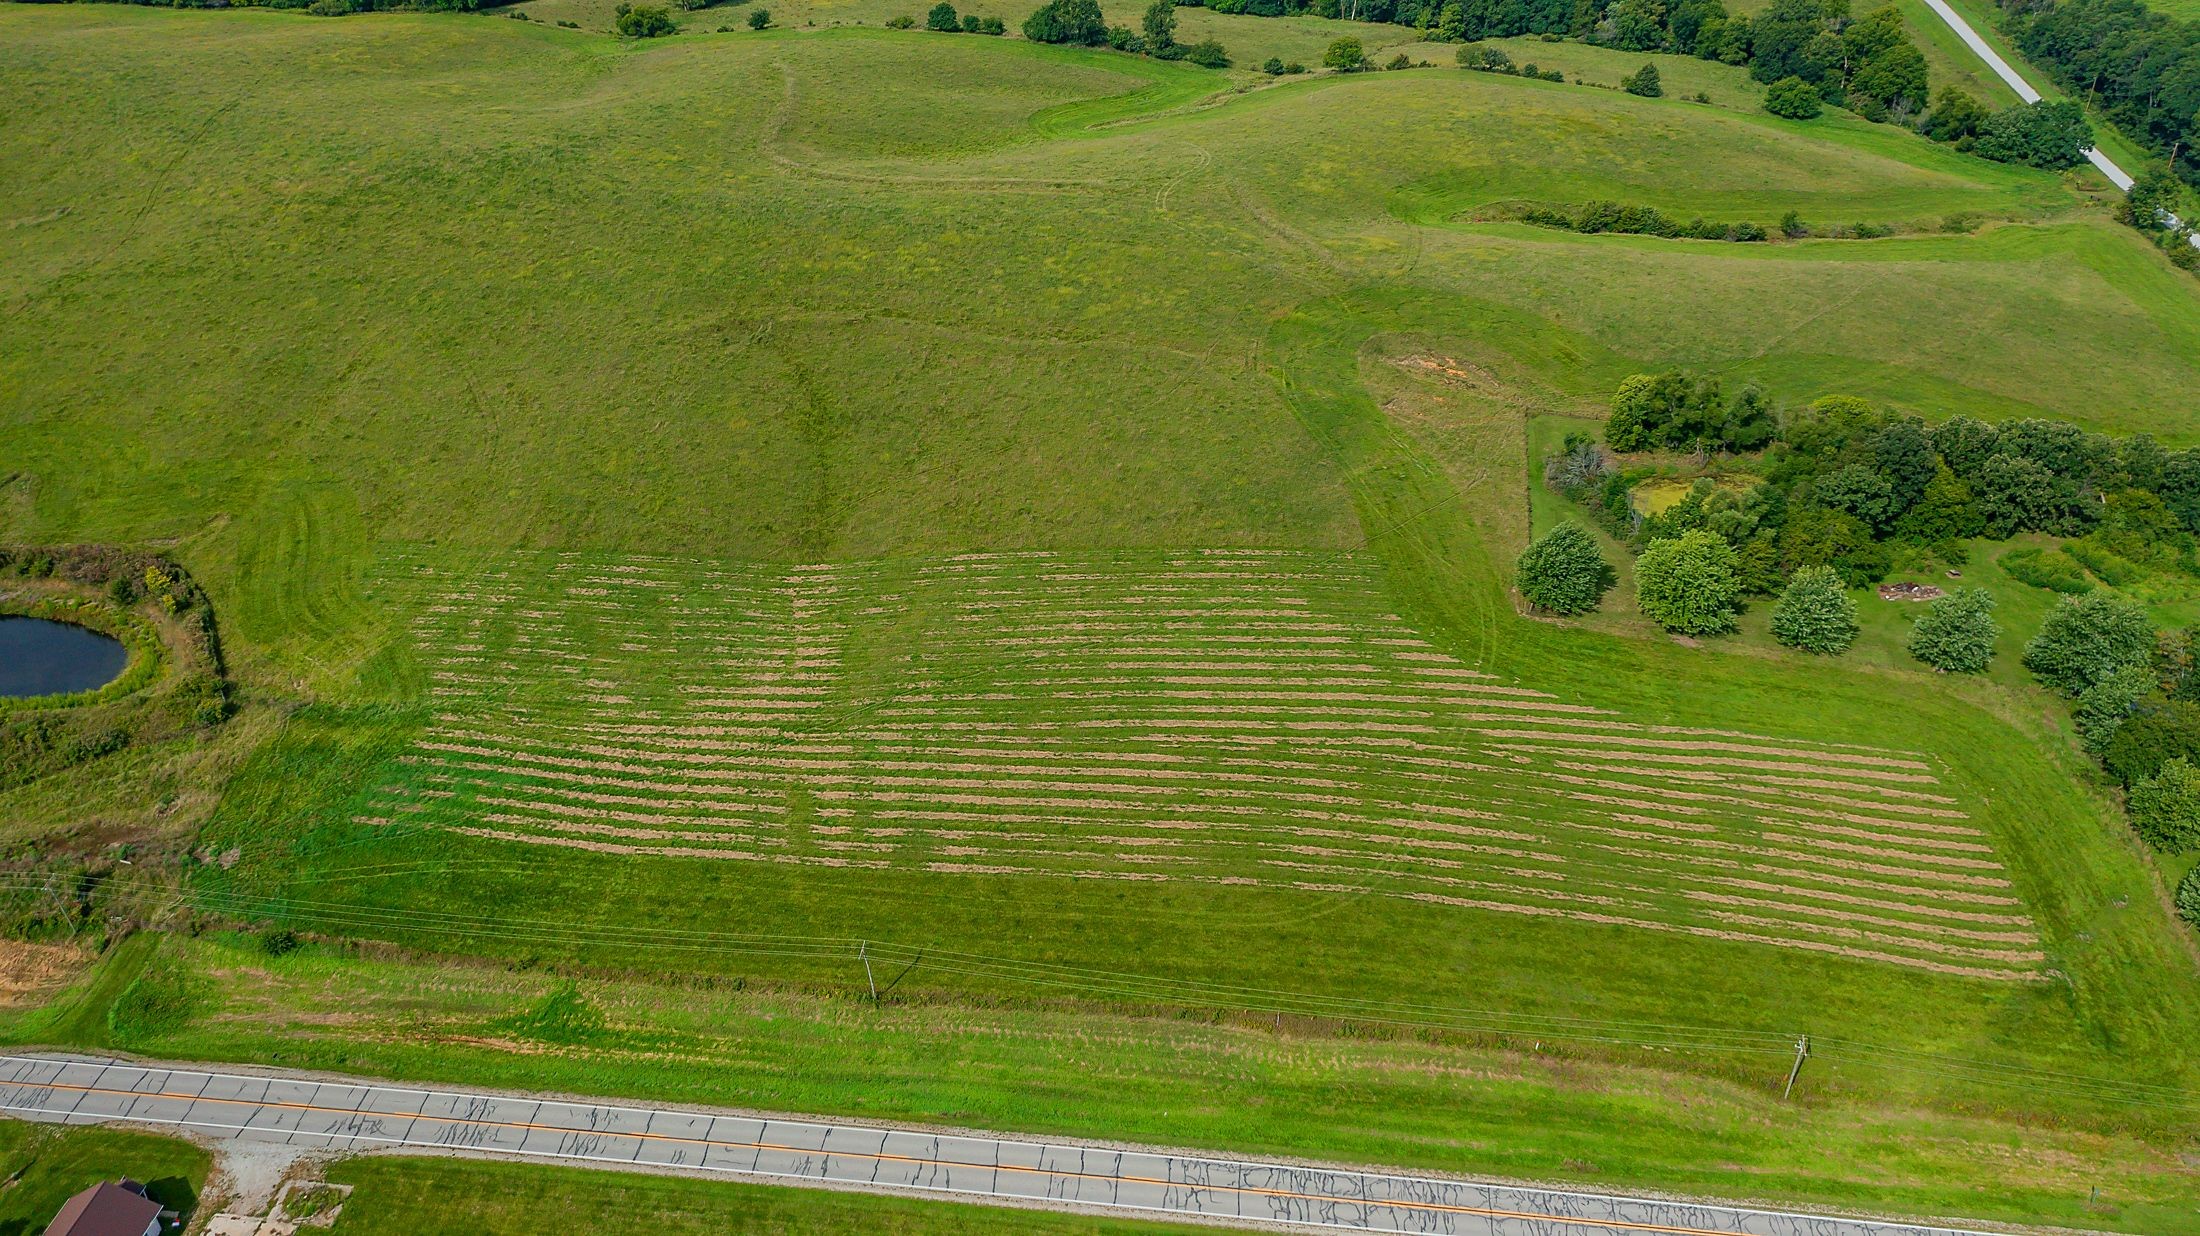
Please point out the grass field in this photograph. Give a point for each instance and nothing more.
(703, 508)
(45, 1165)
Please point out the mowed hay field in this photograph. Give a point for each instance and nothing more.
(847, 487)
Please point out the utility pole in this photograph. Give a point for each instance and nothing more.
(863, 954)
(1802, 1051)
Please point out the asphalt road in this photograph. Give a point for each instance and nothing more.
(322, 1114)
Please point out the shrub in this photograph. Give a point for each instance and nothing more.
(1957, 632)
(972, 23)
(1293, 66)
(1815, 612)
(992, 25)
(1689, 584)
(2188, 897)
(2086, 640)
(1274, 67)
(1159, 24)
(1345, 56)
(1792, 98)
(760, 19)
(647, 21)
(2052, 135)
(1563, 572)
(1400, 61)
(903, 22)
(2165, 808)
(942, 18)
(1207, 54)
(1121, 39)
(1644, 82)
(2055, 571)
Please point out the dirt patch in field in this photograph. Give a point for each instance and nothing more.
(29, 971)
(1907, 591)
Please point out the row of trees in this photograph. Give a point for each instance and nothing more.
(2139, 67)
(1839, 482)
(2136, 691)
(1080, 22)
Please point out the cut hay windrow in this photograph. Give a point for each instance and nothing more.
(1232, 720)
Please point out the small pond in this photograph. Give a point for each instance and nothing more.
(39, 657)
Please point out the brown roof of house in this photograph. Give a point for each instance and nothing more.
(109, 1208)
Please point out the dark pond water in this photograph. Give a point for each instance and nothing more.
(38, 657)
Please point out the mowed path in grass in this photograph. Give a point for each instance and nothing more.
(1226, 717)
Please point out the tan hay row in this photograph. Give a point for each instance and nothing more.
(1924, 930)
(650, 795)
(2013, 956)
(1816, 946)
(1654, 759)
(606, 847)
(1753, 805)
(605, 830)
(1634, 727)
(1675, 744)
(1931, 860)
(1781, 787)
(575, 811)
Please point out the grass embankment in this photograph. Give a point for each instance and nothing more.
(443, 1197)
(850, 301)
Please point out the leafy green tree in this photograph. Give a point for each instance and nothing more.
(2051, 133)
(1944, 512)
(2106, 705)
(2085, 640)
(2158, 731)
(1815, 612)
(1964, 444)
(2153, 197)
(1159, 25)
(1643, 82)
(1903, 453)
(642, 21)
(2188, 897)
(760, 19)
(1955, 116)
(2019, 495)
(1858, 490)
(1207, 54)
(1563, 572)
(1451, 23)
(1957, 632)
(1273, 66)
(1076, 22)
(2165, 808)
(1792, 98)
(992, 25)
(1637, 25)
(1345, 56)
(1779, 38)
(1688, 585)
(972, 23)
(943, 19)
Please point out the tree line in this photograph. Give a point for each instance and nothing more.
(2139, 67)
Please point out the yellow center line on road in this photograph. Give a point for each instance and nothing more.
(882, 1157)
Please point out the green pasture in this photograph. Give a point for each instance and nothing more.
(45, 1165)
(481, 297)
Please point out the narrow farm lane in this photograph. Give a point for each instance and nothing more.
(341, 1115)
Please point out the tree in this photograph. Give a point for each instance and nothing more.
(1944, 512)
(644, 21)
(2165, 808)
(1965, 443)
(1563, 572)
(1778, 39)
(992, 25)
(972, 23)
(2152, 198)
(1076, 22)
(2019, 495)
(2049, 134)
(760, 19)
(1345, 56)
(1957, 632)
(2106, 705)
(942, 18)
(1638, 25)
(2188, 897)
(1159, 25)
(1815, 612)
(1792, 98)
(1861, 491)
(1955, 116)
(2158, 731)
(1644, 82)
(2085, 640)
(1688, 584)
(1208, 54)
